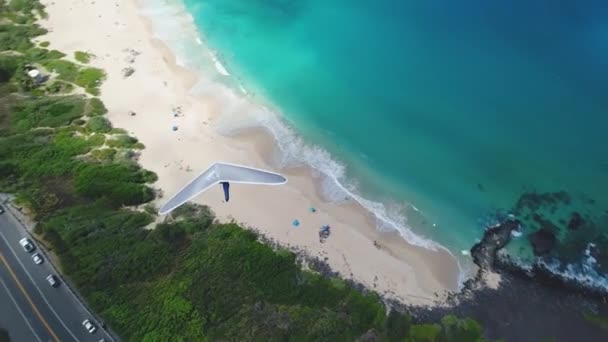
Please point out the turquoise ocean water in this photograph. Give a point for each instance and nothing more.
(444, 111)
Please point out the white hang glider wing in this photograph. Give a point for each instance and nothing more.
(221, 173)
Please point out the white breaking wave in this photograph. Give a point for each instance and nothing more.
(218, 65)
(175, 26)
(585, 273)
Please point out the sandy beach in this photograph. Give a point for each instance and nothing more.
(112, 31)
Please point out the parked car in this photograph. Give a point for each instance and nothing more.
(27, 245)
(1, 210)
(37, 258)
(53, 280)
(91, 328)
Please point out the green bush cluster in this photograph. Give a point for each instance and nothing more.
(82, 57)
(95, 107)
(99, 124)
(46, 112)
(17, 37)
(125, 141)
(89, 78)
(59, 87)
(103, 155)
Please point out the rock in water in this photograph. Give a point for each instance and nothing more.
(495, 238)
(576, 221)
(543, 241)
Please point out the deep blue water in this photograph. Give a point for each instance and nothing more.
(456, 107)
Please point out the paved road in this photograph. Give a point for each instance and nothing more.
(36, 311)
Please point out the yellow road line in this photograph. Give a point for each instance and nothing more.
(46, 325)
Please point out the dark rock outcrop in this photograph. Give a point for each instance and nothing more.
(576, 221)
(526, 298)
(543, 241)
(494, 239)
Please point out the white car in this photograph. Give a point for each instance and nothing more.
(53, 281)
(37, 258)
(27, 245)
(91, 328)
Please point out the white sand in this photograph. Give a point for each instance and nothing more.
(106, 28)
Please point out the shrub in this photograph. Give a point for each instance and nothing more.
(9, 65)
(125, 141)
(67, 70)
(55, 54)
(104, 155)
(99, 124)
(425, 333)
(45, 44)
(118, 131)
(18, 38)
(46, 112)
(22, 5)
(90, 79)
(59, 87)
(96, 107)
(96, 139)
(119, 184)
(82, 57)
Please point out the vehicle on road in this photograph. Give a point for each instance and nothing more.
(91, 328)
(53, 280)
(27, 245)
(1, 210)
(37, 258)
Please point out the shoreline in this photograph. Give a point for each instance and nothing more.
(396, 269)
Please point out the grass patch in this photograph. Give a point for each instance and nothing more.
(104, 155)
(125, 141)
(99, 124)
(67, 70)
(59, 87)
(90, 79)
(95, 107)
(82, 57)
(46, 112)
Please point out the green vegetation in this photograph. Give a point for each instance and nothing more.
(88, 78)
(99, 124)
(82, 57)
(96, 107)
(104, 155)
(190, 278)
(46, 112)
(45, 44)
(125, 141)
